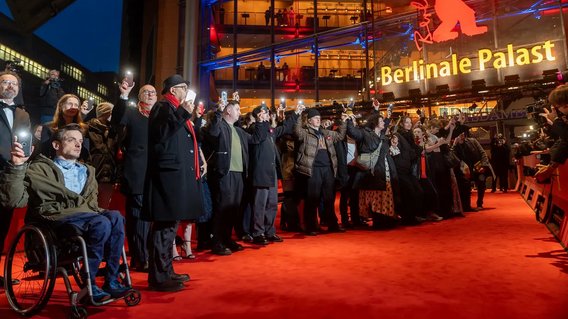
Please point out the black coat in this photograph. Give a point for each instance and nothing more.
(367, 142)
(265, 157)
(171, 191)
(218, 134)
(21, 122)
(132, 129)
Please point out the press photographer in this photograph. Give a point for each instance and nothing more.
(558, 119)
(50, 92)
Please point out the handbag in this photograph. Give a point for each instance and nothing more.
(367, 161)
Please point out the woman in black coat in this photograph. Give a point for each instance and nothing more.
(375, 186)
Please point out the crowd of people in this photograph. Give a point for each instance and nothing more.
(219, 170)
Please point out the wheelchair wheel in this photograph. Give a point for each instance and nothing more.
(35, 268)
(78, 312)
(133, 298)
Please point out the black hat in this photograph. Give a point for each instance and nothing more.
(172, 81)
(312, 113)
(259, 109)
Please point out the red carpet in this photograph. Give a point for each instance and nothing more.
(498, 263)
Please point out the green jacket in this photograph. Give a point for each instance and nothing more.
(40, 185)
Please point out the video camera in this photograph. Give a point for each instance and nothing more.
(534, 110)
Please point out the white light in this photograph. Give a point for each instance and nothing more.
(531, 127)
(282, 99)
(23, 134)
(524, 135)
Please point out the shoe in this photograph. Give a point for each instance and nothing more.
(180, 277)
(274, 238)
(99, 295)
(260, 240)
(221, 250)
(479, 208)
(336, 229)
(435, 217)
(116, 289)
(420, 219)
(186, 248)
(311, 233)
(15, 282)
(247, 238)
(166, 286)
(234, 246)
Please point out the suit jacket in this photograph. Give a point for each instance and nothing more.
(171, 191)
(21, 122)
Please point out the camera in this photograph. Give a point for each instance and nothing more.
(55, 83)
(534, 110)
(13, 66)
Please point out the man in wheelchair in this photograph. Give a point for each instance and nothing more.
(63, 192)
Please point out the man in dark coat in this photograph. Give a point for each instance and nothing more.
(265, 168)
(131, 125)
(229, 169)
(172, 189)
(12, 119)
(50, 92)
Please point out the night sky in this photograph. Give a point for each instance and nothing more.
(88, 31)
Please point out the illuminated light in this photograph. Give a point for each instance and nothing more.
(525, 135)
(531, 127)
(483, 91)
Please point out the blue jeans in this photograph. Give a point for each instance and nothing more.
(104, 235)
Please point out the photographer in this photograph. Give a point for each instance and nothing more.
(558, 119)
(50, 92)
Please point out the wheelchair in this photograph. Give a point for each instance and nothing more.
(37, 255)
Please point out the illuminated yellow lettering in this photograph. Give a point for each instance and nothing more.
(465, 65)
(454, 64)
(510, 54)
(485, 56)
(421, 62)
(386, 75)
(415, 70)
(407, 73)
(431, 70)
(398, 76)
(536, 54)
(445, 69)
(523, 57)
(548, 50)
(500, 60)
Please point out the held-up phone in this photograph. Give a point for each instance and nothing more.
(129, 78)
(25, 138)
(90, 104)
(224, 97)
(201, 108)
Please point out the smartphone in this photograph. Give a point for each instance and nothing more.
(190, 96)
(90, 104)
(201, 108)
(25, 138)
(224, 97)
(129, 78)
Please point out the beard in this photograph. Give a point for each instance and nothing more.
(8, 94)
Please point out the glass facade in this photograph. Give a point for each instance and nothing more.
(321, 51)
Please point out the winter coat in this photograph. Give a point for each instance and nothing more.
(21, 122)
(102, 141)
(41, 185)
(308, 146)
(171, 190)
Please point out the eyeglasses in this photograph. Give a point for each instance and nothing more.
(6, 83)
(184, 87)
(146, 92)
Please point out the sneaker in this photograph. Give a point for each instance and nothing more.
(116, 289)
(99, 295)
(435, 217)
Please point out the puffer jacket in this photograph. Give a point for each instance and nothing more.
(308, 146)
(41, 186)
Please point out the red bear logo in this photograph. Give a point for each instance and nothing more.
(452, 12)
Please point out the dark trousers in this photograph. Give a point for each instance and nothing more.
(264, 210)
(464, 187)
(104, 236)
(320, 187)
(430, 201)
(137, 230)
(289, 215)
(5, 220)
(412, 196)
(481, 185)
(502, 174)
(349, 197)
(227, 205)
(162, 236)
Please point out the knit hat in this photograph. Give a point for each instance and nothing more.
(312, 113)
(104, 108)
(172, 81)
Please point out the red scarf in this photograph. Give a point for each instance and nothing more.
(174, 101)
(143, 108)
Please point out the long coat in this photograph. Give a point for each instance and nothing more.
(171, 190)
(21, 122)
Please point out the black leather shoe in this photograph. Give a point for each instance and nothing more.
(247, 238)
(336, 229)
(221, 250)
(167, 286)
(234, 246)
(260, 240)
(180, 277)
(311, 233)
(275, 239)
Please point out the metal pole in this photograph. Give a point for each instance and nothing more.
(375, 86)
(316, 49)
(365, 76)
(235, 66)
(272, 57)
